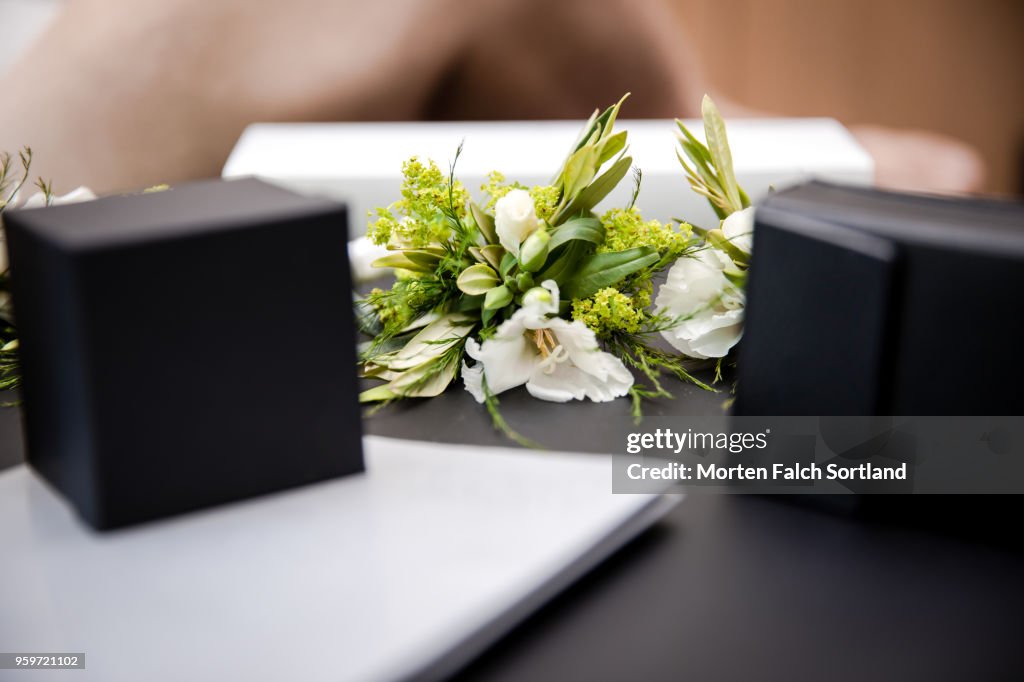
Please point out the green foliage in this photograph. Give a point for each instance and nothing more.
(584, 229)
(420, 218)
(579, 192)
(607, 269)
(11, 183)
(710, 170)
(625, 228)
(610, 311)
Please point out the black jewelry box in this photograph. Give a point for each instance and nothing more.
(864, 302)
(185, 348)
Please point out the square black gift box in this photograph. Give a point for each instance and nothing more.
(866, 302)
(185, 348)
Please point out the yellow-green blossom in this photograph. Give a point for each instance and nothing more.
(610, 310)
(625, 228)
(417, 219)
(409, 297)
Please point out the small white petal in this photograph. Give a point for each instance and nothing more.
(75, 196)
(472, 379)
(738, 228)
(508, 358)
(536, 309)
(581, 344)
(568, 382)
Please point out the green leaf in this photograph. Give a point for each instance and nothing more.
(400, 260)
(592, 195)
(508, 261)
(562, 265)
(487, 315)
(718, 145)
(477, 279)
(498, 297)
(485, 222)
(588, 128)
(606, 269)
(737, 277)
(377, 393)
(425, 381)
(606, 121)
(611, 146)
(492, 254)
(580, 169)
(700, 152)
(585, 229)
(423, 257)
(469, 303)
(717, 239)
(746, 199)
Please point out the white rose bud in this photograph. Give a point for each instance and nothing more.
(515, 219)
(738, 228)
(712, 306)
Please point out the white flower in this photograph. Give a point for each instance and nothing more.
(361, 254)
(38, 200)
(738, 228)
(698, 290)
(515, 219)
(558, 360)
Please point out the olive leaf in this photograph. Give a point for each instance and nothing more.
(718, 145)
(498, 297)
(606, 269)
(484, 222)
(718, 239)
(400, 260)
(592, 195)
(508, 261)
(585, 229)
(477, 279)
(492, 254)
(710, 171)
(562, 264)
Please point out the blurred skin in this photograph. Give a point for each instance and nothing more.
(120, 94)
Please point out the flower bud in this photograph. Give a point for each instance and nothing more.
(524, 281)
(738, 228)
(498, 297)
(536, 296)
(534, 251)
(515, 219)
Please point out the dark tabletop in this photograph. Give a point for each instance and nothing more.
(755, 588)
(742, 587)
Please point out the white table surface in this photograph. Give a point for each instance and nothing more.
(360, 163)
(406, 571)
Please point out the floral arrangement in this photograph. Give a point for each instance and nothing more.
(530, 287)
(13, 177)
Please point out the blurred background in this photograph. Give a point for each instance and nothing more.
(117, 94)
(951, 66)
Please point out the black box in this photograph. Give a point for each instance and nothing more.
(863, 302)
(185, 348)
